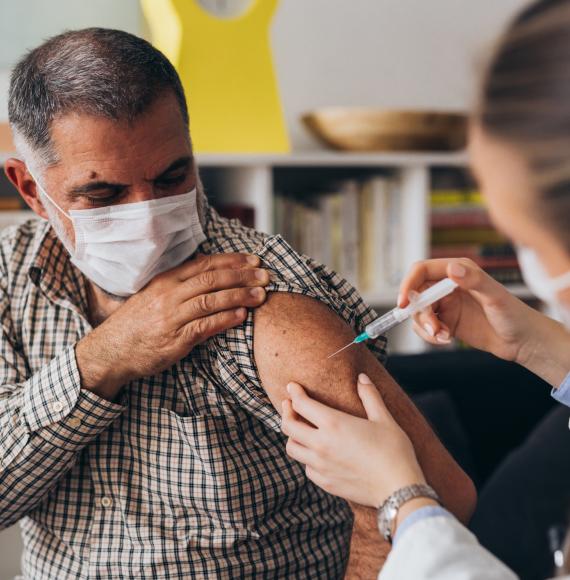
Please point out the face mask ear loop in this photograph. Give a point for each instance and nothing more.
(44, 192)
(561, 282)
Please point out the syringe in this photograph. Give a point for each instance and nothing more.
(398, 315)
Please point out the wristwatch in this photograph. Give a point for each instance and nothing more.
(388, 511)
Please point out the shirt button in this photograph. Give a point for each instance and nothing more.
(106, 502)
(74, 422)
(57, 406)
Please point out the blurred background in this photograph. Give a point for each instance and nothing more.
(343, 198)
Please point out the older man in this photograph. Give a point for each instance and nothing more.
(140, 396)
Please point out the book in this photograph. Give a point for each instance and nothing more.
(354, 228)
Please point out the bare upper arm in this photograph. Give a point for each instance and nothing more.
(294, 335)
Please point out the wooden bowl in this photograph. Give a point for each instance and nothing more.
(365, 129)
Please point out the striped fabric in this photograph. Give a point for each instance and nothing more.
(186, 474)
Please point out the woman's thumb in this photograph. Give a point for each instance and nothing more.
(371, 399)
(469, 276)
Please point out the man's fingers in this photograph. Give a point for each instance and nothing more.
(315, 412)
(207, 304)
(294, 428)
(201, 329)
(206, 262)
(214, 280)
(374, 405)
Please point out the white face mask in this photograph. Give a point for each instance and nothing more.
(122, 247)
(541, 285)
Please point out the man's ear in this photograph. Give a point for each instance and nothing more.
(18, 174)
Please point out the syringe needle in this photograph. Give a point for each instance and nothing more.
(340, 350)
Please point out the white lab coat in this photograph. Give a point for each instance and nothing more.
(441, 548)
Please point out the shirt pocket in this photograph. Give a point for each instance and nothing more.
(187, 480)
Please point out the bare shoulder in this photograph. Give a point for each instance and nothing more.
(293, 336)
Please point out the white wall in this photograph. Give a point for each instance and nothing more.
(388, 53)
(392, 53)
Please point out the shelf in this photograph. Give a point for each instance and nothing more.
(521, 291)
(323, 158)
(386, 298)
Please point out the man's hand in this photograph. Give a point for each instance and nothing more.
(159, 325)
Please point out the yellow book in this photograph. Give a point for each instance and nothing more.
(451, 197)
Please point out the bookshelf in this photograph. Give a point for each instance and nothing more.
(253, 180)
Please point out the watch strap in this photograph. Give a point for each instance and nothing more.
(388, 511)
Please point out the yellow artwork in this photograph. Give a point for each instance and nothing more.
(227, 71)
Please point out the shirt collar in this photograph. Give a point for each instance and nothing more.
(52, 272)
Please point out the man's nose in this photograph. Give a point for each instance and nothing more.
(142, 192)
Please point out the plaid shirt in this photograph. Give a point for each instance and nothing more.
(186, 475)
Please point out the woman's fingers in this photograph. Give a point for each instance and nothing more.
(437, 331)
(308, 408)
(318, 479)
(420, 273)
(295, 428)
(465, 272)
(372, 401)
(428, 320)
(301, 453)
(423, 334)
(469, 276)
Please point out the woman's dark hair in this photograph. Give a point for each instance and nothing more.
(525, 101)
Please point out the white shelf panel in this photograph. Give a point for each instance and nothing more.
(386, 298)
(520, 291)
(325, 158)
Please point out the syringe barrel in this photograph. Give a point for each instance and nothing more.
(432, 295)
(397, 315)
(384, 323)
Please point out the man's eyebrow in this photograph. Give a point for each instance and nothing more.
(94, 186)
(186, 161)
(183, 162)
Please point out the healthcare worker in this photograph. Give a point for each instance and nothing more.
(520, 154)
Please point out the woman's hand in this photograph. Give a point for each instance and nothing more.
(361, 460)
(481, 312)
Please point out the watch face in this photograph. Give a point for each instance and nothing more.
(391, 512)
(226, 8)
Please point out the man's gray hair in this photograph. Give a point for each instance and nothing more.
(97, 71)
